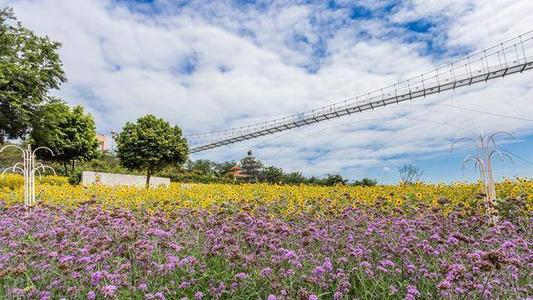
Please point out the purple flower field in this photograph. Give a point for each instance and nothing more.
(88, 253)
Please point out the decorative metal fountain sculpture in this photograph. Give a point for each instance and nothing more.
(486, 148)
(28, 168)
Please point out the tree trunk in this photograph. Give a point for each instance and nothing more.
(148, 174)
(73, 165)
(65, 167)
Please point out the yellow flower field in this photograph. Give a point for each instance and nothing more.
(278, 199)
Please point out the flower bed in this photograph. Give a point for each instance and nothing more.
(88, 252)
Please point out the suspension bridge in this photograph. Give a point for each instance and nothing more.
(513, 56)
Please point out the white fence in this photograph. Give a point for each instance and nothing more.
(90, 177)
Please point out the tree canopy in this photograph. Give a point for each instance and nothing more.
(29, 68)
(69, 132)
(272, 174)
(150, 144)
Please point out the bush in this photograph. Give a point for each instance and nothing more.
(75, 177)
(365, 182)
(197, 178)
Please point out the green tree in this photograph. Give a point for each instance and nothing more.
(69, 132)
(313, 180)
(365, 182)
(334, 179)
(251, 167)
(29, 68)
(203, 167)
(150, 145)
(294, 178)
(272, 175)
(222, 169)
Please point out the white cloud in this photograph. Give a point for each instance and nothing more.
(251, 65)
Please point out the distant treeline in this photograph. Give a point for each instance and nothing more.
(203, 171)
(252, 170)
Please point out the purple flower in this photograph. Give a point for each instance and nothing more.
(109, 290)
(313, 297)
(452, 241)
(241, 276)
(337, 296)
(91, 295)
(199, 295)
(271, 297)
(46, 295)
(161, 233)
(265, 272)
(508, 245)
(319, 271)
(387, 263)
(65, 259)
(412, 293)
(289, 254)
(328, 266)
(96, 277)
(143, 286)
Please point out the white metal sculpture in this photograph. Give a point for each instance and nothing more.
(486, 148)
(28, 168)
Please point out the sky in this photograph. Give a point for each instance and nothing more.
(206, 65)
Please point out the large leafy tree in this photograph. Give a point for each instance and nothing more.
(272, 175)
(29, 68)
(150, 144)
(334, 179)
(294, 178)
(69, 132)
(202, 167)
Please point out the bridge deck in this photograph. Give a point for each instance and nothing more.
(499, 61)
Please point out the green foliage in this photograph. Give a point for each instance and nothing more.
(313, 180)
(201, 166)
(105, 162)
(29, 68)
(9, 156)
(150, 144)
(222, 169)
(75, 176)
(365, 182)
(294, 178)
(272, 175)
(197, 178)
(69, 132)
(334, 179)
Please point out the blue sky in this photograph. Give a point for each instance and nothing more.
(207, 65)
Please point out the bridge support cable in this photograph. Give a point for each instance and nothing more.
(476, 68)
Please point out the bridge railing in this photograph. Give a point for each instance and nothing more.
(512, 56)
